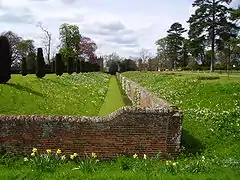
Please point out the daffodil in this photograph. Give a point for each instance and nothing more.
(33, 154)
(59, 151)
(75, 154)
(25, 159)
(144, 156)
(63, 157)
(135, 156)
(174, 164)
(34, 150)
(72, 156)
(49, 151)
(167, 162)
(94, 155)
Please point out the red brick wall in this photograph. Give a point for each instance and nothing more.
(149, 129)
(128, 131)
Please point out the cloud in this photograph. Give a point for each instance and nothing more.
(125, 40)
(112, 34)
(68, 1)
(16, 15)
(235, 3)
(16, 18)
(120, 26)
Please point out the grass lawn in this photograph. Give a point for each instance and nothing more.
(113, 100)
(51, 166)
(211, 124)
(81, 94)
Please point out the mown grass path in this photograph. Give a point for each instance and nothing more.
(113, 99)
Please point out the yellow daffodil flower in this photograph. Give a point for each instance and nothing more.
(34, 150)
(59, 151)
(25, 159)
(135, 156)
(94, 155)
(75, 154)
(63, 157)
(33, 154)
(144, 156)
(49, 151)
(72, 156)
(174, 164)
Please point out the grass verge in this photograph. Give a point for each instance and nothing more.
(113, 99)
(77, 94)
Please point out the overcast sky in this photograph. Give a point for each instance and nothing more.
(122, 26)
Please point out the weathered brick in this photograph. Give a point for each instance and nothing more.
(150, 126)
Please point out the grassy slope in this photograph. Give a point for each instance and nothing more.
(198, 100)
(210, 107)
(113, 99)
(81, 94)
(211, 111)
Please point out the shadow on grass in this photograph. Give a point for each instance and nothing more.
(192, 145)
(26, 89)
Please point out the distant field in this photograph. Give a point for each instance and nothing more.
(81, 94)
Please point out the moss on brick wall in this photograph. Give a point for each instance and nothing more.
(148, 128)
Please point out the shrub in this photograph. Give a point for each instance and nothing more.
(31, 63)
(78, 66)
(95, 67)
(70, 65)
(113, 68)
(24, 66)
(5, 62)
(87, 67)
(59, 65)
(82, 65)
(53, 66)
(40, 67)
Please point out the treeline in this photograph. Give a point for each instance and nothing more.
(76, 54)
(213, 40)
(57, 64)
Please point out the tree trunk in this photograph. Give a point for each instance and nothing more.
(213, 39)
(49, 48)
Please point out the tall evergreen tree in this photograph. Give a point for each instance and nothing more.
(235, 14)
(184, 53)
(59, 65)
(24, 66)
(5, 60)
(174, 43)
(53, 66)
(78, 66)
(208, 19)
(40, 67)
(70, 65)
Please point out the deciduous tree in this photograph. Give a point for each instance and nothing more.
(87, 47)
(70, 38)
